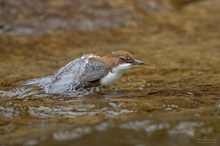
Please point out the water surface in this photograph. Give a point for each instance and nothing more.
(173, 99)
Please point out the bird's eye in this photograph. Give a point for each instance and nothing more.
(123, 58)
(127, 60)
(130, 61)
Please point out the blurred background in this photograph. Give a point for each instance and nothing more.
(174, 99)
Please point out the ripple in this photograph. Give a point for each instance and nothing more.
(74, 111)
(74, 134)
(10, 111)
(148, 126)
(186, 128)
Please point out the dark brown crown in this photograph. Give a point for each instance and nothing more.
(118, 57)
(122, 56)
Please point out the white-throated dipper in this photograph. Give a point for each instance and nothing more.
(90, 70)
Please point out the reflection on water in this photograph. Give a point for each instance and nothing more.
(122, 109)
(9, 112)
(21, 92)
(147, 112)
(73, 112)
(186, 128)
(184, 131)
(74, 134)
(148, 126)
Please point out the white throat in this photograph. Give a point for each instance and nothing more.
(115, 74)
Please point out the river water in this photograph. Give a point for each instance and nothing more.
(173, 100)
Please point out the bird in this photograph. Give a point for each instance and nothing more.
(90, 70)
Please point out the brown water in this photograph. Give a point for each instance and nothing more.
(173, 100)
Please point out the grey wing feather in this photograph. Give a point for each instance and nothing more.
(65, 79)
(94, 70)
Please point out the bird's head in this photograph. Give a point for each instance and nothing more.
(123, 60)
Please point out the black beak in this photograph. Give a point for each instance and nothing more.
(138, 62)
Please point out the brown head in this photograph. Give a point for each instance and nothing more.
(122, 57)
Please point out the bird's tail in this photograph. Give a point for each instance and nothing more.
(38, 81)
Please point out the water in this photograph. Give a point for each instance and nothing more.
(173, 99)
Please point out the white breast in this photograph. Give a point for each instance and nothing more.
(116, 73)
